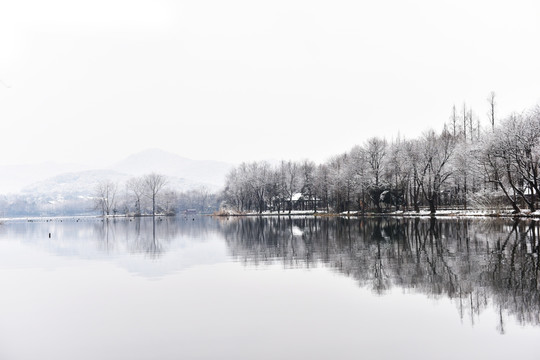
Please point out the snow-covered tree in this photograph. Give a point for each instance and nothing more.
(153, 184)
(105, 197)
(435, 154)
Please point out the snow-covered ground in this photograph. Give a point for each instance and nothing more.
(439, 213)
(228, 212)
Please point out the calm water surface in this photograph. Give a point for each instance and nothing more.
(269, 288)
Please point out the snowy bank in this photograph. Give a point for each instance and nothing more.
(422, 213)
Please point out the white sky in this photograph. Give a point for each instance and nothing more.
(94, 81)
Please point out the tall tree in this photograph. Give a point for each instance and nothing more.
(491, 112)
(322, 184)
(307, 169)
(413, 156)
(436, 154)
(137, 186)
(360, 170)
(494, 163)
(154, 183)
(292, 180)
(105, 199)
(375, 154)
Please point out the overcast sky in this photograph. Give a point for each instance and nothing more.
(91, 81)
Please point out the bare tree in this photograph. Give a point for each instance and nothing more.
(491, 113)
(397, 174)
(169, 200)
(339, 181)
(375, 155)
(291, 171)
(234, 194)
(136, 186)
(105, 199)
(258, 174)
(359, 169)
(376, 152)
(454, 121)
(519, 138)
(470, 122)
(322, 184)
(464, 121)
(308, 182)
(153, 184)
(413, 156)
(203, 196)
(494, 163)
(435, 169)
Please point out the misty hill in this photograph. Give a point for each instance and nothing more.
(76, 179)
(16, 177)
(84, 183)
(209, 173)
(72, 192)
(73, 184)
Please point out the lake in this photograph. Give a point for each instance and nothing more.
(269, 288)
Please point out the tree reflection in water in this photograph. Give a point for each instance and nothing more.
(150, 236)
(475, 262)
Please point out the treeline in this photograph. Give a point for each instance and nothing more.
(149, 195)
(139, 196)
(462, 167)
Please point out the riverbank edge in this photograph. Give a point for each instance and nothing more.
(408, 214)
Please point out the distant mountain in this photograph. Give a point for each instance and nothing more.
(73, 184)
(183, 173)
(210, 173)
(13, 178)
(48, 189)
(84, 183)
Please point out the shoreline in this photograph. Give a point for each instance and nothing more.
(406, 214)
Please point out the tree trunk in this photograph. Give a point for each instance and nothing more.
(465, 193)
(432, 207)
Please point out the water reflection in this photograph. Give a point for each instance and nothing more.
(139, 245)
(475, 262)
